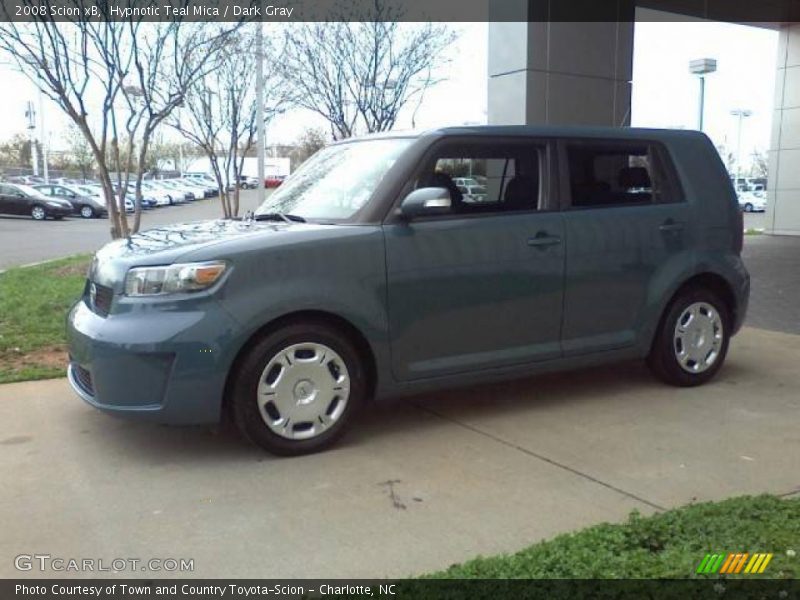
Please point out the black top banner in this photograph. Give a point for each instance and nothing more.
(767, 12)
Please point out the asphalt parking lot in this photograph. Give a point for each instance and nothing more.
(417, 486)
(24, 241)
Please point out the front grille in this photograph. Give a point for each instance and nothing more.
(100, 298)
(83, 378)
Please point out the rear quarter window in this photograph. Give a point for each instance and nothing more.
(613, 174)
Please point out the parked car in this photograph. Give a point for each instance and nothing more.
(96, 190)
(273, 181)
(187, 194)
(201, 189)
(248, 183)
(367, 276)
(752, 201)
(465, 181)
(86, 205)
(159, 194)
(472, 193)
(19, 199)
(25, 180)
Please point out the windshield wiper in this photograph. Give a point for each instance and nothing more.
(278, 216)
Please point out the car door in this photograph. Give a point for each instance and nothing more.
(16, 202)
(481, 286)
(7, 201)
(626, 226)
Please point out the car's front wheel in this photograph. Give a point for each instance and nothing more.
(693, 339)
(38, 213)
(296, 389)
(748, 207)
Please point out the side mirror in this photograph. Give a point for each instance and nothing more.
(429, 201)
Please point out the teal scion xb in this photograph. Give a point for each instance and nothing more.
(369, 273)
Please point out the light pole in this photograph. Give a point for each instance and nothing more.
(741, 114)
(261, 143)
(30, 115)
(702, 67)
(44, 137)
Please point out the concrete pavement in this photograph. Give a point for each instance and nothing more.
(416, 486)
(775, 286)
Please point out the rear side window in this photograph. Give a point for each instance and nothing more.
(614, 174)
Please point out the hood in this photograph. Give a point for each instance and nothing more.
(165, 245)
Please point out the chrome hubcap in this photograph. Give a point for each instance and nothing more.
(698, 337)
(38, 212)
(303, 391)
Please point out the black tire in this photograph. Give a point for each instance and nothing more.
(87, 212)
(38, 212)
(245, 380)
(663, 361)
(748, 208)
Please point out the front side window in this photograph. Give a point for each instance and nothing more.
(337, 181)
(604, 175)
(488, 177)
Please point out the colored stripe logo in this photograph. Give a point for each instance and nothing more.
(734, 563)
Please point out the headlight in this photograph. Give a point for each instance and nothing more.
(173, 279)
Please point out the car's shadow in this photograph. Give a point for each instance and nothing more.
(430, 413)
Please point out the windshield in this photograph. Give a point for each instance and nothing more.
(337, 181)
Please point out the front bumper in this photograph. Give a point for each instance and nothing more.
(152, 362)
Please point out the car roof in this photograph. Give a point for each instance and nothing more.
(548, 131)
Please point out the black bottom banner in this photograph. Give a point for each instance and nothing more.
(551, 589)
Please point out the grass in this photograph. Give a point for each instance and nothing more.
(665, 545)
(33, 304)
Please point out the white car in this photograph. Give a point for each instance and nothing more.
(752, 201)
(162, 197)
(465, 181)
(472, 192)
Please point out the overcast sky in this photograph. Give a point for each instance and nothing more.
(664, 93)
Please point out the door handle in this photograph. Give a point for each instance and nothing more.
(671, 226)
(542, 240)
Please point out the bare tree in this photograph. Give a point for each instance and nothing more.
(114, 79)
(760, 166)
(309, 143)
(361, 69)
(221, 111)
(80, 151)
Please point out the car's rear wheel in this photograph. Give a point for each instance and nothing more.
(692, 341)
(38, 213)
(87, 212)
(748, 207)
(297, 388)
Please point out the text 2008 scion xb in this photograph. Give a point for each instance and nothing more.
(403, 263)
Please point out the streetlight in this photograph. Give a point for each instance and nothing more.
(702, 67)
(741, 114)
(261, 143)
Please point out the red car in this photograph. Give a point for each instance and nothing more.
(273, 181)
